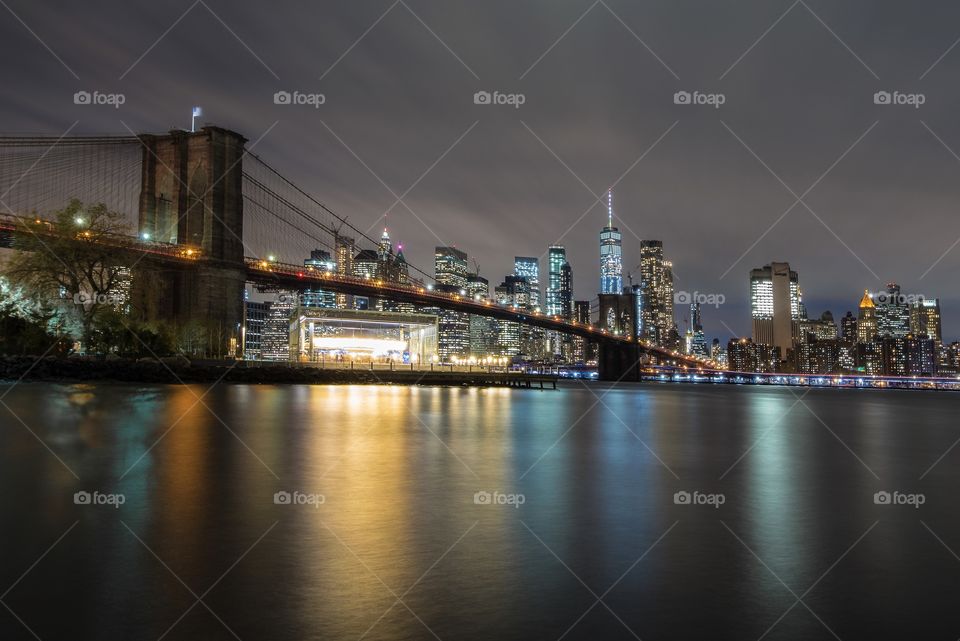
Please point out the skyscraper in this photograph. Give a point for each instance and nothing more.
(698, 342)
(893, 313)
(866, 319)
(483, 330)
(450, 267)
(775, 305)
(848, 328)
(453, 332)
(656, 293)
(925, 319)
(611, 254)
(529, 267)
(559, 283)
(513, 292)
(344, 251)
(582, 350)
(320, 261)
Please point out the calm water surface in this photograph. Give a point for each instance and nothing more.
(403, 547)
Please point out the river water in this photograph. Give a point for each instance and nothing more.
(588, 512)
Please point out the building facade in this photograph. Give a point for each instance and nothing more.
(611, 254)
(775, 306)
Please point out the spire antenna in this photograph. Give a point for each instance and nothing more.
(610, 207)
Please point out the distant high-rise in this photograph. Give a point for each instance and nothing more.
(385, 248)
(450, 266)
(320, 261)
(656, 293)
(559, 284)
(925, 319)
(775, 305)
(513, 292)
(275, 337)
(866, 319)
(848, 328)
(611, 254)
(483, 330)
(344, 251)
(453, 331)
(529, 268)
(893, 313)
(698, 342)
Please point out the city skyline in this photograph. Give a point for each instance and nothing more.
(698, 187)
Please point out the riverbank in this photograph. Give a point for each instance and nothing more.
(177, 369)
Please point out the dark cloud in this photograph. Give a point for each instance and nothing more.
(799, 99)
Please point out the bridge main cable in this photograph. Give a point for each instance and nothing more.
(342, 220)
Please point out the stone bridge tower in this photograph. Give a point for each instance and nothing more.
(192, 195)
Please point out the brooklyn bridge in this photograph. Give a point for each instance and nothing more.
(211, 216)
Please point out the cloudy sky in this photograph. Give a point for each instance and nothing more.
(798, 164)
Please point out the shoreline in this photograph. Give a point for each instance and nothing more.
(178, 369)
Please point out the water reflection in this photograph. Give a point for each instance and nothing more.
(399, 469)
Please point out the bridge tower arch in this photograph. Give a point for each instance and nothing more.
(191, 194)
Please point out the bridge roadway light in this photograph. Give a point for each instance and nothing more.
(145, 236)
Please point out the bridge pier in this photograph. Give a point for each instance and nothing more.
(619, 362)
(192, 195)
(204, 302)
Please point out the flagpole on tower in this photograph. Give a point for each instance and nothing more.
(197, 112)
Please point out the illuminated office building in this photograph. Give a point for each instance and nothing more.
(775, 306)
(450, 273)
(655, 294)
(513, 292)
(925, 319)
(343, 254)
(893, 312)
(611, 254)
(319, 261)
(529, 267)
(483, 329)
(866, 319)
(559, 283)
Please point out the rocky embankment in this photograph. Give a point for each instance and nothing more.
(175, 369)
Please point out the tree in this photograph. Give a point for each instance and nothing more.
(25, 328)
(67, 261)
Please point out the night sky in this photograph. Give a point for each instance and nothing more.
(878, 183)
